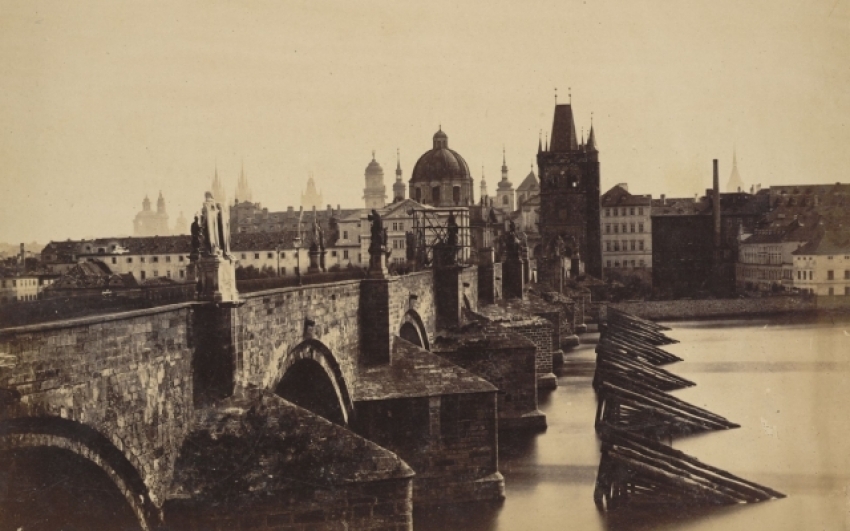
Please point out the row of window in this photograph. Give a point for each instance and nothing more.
(622, 211)
(627, 227)
(767, 274)
(12, 298)
(153, 259)
(626, 263)
(435, 194)
(830, 275)
(143, 274)
(627, 245)
(271, 255)
(812, 258)
(20, 282)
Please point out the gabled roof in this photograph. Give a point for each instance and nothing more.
(831, 242)
(619, 196)
(530, 183)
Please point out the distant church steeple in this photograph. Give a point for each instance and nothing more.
(243, 191)
(483, 185)
(311, 197)
(399, 188)
(217, 189)
(735, 184)
(505, 189)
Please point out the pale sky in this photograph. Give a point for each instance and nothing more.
(102, 103)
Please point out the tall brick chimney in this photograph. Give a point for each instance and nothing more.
(715, 204)
(23, 260)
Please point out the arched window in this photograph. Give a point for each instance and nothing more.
(418, 194)
(504, 200)
(435, 195)
(456, 195)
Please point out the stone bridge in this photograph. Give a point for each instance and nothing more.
(297, 406)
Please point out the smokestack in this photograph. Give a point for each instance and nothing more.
(663, 199)
(716, 207)
(23, 260)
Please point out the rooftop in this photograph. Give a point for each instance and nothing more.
(415, 372)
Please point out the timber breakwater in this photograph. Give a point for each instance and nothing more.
(635, 415)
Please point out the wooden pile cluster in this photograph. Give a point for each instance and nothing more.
(635, 413)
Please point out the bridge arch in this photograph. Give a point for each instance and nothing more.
(413, 329)
(310, 377)
(62, 437)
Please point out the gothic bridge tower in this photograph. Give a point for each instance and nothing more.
(569, 198)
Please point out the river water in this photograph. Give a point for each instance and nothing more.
(786, 382)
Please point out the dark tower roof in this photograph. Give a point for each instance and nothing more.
(563, 130)
(591, 141)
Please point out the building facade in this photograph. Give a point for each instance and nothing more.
(822, 266)
(626, 229)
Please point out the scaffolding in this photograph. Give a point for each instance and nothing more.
(431, 227)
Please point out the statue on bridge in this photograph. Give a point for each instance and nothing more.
(378, 253)
(212, 264)
(513, 245)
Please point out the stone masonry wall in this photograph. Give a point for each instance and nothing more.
(450, 441)
(540, 333)
(506, 360)
(127, 376)
(469, 283)
(696, 309)
(381, 505)
(271, 323)
(421, 285)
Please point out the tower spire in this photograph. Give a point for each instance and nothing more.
(540, 141)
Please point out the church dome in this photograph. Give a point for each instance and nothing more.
(440, 163)
(374, 168)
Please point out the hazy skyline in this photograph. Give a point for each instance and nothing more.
(104, 103)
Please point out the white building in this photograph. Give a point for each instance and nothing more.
(822, 266)
(626, 229)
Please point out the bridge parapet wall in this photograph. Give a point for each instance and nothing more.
(127, 376)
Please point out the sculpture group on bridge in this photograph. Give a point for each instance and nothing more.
(211, 233)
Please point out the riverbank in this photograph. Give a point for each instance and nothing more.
(685, 310)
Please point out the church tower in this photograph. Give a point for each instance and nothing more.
(311, 198)
(399, 188)
(243, 192)
(161, 227)
(483, 186)
(505, 189)
(375, 192)
(569, 198)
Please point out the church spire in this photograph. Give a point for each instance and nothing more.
(540, 141)
(483, 184)
(243, 191)
(735, 184)
(399, 189)
(591, 138)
